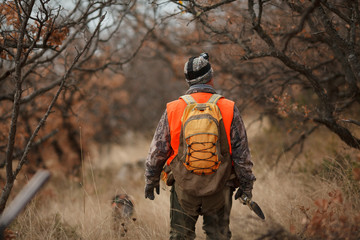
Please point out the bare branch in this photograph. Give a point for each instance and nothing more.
(300, 141)
(341, 131)
(193, 4)
(332, 8)
(15, 112)
(41, 91)
(37, 143)
(351, 121)
(257, 26)
(300, 27)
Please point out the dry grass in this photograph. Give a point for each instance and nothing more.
(291, 200)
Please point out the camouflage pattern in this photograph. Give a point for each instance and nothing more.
(160, 149)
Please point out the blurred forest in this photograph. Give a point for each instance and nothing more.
(78, 77)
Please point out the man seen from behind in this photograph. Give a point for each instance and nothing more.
(201, 145)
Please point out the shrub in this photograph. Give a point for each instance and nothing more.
(332, 219)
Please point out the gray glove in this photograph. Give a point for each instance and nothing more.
(149, 190)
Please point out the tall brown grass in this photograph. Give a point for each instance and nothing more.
(312, 200)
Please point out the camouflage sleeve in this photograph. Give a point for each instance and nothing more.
(160, 150)
(241, 153)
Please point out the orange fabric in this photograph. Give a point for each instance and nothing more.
(175, 111)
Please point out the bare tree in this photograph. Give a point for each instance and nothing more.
(298, 59)
(48, 52)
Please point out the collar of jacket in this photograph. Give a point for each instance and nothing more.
(200, 88)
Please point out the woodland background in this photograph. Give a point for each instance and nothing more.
(84, 83)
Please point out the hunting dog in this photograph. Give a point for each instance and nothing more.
(122, 211)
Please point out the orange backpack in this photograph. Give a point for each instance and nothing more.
(203, 162)
(200, 124)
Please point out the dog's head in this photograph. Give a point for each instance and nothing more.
(122, 206)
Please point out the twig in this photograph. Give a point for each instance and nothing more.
(351, 121)
(300, 141)
(37, 143)
(300, 27)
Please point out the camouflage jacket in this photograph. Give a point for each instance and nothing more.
(160, 148)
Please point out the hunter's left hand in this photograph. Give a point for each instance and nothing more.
(149, 191)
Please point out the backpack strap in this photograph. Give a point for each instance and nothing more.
(188, 99)
(214, 98)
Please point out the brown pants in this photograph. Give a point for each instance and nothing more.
(215, 224)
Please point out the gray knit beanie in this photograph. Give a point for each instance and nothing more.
(198, 70)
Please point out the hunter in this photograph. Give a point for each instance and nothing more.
(202, 180)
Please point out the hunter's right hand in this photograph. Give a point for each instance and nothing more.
(240, 192)
(149, 191)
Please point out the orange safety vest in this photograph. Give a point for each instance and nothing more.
(175, 111)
